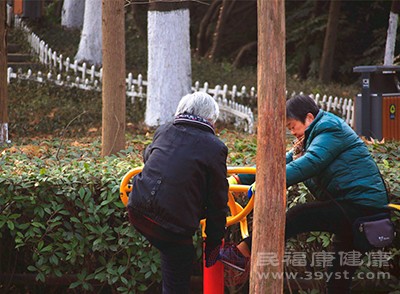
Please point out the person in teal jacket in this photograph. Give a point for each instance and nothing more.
(339, 171)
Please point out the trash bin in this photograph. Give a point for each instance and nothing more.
(32, 9)
(377, 107)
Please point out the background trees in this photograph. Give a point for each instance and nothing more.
(90, 44)
(72, 14)
(227, 30)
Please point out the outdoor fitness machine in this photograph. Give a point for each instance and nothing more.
(213, 277)
(377, 108)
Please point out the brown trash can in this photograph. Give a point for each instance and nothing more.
(377, 107)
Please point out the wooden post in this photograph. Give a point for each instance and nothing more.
(270, 198)
(3, 74)
(114, 87)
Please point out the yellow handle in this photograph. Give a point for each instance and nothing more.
(125, 187)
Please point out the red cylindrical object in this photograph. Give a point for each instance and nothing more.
(213, 277)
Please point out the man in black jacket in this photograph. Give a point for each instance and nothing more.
(183, 181)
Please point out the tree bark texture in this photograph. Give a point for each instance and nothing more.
(391, 33)
(169, 64)
(90, 44)
(3, 74)
(326, 65)
(72, 14)
(270, 201)
(114, 85)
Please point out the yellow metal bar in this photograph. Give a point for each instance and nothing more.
(395, 206)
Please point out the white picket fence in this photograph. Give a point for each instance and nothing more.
(64, 72)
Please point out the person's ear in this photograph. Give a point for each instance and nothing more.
(309, 118)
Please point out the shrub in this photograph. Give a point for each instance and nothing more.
(64, 217)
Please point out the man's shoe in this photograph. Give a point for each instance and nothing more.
(232, 257)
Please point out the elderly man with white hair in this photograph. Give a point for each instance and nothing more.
(183, 181)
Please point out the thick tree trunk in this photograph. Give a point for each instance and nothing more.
(225, 11)
(72, 14)
(270, 197)
(114, 85)
(392, 32)
(3, 74)
(169, 63)
(90, 45)
(326, 65)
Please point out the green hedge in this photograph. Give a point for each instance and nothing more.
(64, 217)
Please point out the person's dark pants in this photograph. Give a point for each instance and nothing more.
(176, 265)
(334, 217)
(177, 253)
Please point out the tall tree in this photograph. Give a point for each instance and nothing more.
(225, 11)
(3, 74)
(392, 32)
(202, 35)
(114, 85)
(90, 44)
(169, 64)
(326, 65)
(270, 197)
(72, 14)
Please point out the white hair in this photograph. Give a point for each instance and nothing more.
(199, 103)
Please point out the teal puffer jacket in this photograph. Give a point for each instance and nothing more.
(337, 164)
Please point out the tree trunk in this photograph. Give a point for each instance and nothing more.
(202, 40)
(138, 9)
(326, 65)
(225, 11)
(114, 85)
(3, 74)
(270, 196)
(90, 45)
(391, 33)
(72, 14)
(304, 66)
(169, 63)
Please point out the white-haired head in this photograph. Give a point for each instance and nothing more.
(199, 103)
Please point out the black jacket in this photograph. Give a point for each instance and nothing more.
(183, 180)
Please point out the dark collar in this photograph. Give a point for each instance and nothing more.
(194, 120)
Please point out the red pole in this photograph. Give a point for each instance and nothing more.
(213, 277)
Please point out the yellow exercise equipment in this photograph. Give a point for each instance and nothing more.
(238, 213)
